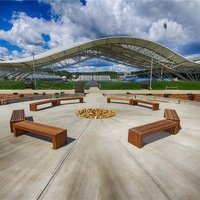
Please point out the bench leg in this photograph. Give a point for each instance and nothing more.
(59, 140)
(108, 100)
(134, 102)
(11, 127)
(81, 100)
(17, 132)
(55, 103)
(33, 107)
(178, 121)
(135, 139)
(173, 129)
(155, 107)
(11, 124)
(179, 125)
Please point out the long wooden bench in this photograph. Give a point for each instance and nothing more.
(70, 98)
(171, 114)
(120, 99)
(58, 135)
(34, 106)
(155, 106)
(136, 134)
(17, 116)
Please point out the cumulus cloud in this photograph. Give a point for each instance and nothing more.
(174, 31)
(101, 18)
(97, 65)
(72, 22)
(86, 68)
(138, 18)
(4, 53)
(25, 33)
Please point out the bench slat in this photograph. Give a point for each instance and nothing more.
(33, 106)
(44, 129)
(152, 127)
(120, 99)
(70, 98)
(155, 106)
(171, 114)
(54, 102)
(17, 116)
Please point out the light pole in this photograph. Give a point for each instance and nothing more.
(150, 80)
(34, 76)
(165, 27)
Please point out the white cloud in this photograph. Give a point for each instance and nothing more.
(174, 31)
(136, 18)
(25, 33)
(4, 53)
(115, 67)
(194, 56)
(101, 18)
(91, 66)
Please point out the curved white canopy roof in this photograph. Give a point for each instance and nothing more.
(130, 51)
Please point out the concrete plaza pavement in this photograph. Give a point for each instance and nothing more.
(98, 162)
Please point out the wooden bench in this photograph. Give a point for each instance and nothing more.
(120, 99)
(17, 116)
(70, 98)
(171, 114)
(58, 135)
(155, 106)
(33, 106)
(136, 134)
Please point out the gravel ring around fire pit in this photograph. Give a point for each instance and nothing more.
(95, 113)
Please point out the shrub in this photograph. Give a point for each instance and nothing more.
(166, 95)
(191, 97)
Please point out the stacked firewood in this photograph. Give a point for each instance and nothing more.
(95, 113)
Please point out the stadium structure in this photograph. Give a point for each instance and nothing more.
(145, 55)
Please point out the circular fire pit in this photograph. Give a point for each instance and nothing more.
(95, 113)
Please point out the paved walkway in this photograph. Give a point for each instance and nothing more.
(98, 162)
(95, 90)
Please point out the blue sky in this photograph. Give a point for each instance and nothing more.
(36, 26)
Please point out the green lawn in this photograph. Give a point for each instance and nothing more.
(105, 85)
(15, 85)
(156, 85)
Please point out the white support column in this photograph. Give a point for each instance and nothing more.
(165, 27)
(34, 75)
(151, 74)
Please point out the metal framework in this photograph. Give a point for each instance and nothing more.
(129, 51)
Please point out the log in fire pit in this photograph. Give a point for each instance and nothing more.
(95, 113)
